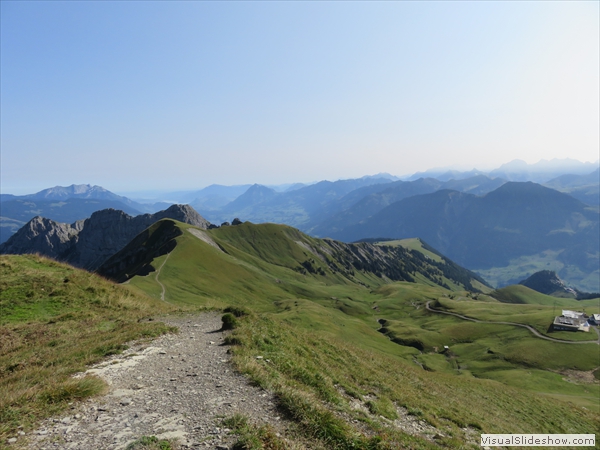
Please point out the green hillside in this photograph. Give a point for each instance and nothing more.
(451, 272)
(266, 261)
(335, 334)
(522, 294)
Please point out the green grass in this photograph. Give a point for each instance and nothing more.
(413, 244)
(522, 294)
(200, 273)
(315, 372)
(252, 436)
(536, 380)
(480, 349)
(55, 321)
(525, 311)
(151, 443)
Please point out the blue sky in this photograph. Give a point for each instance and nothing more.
(177, 95)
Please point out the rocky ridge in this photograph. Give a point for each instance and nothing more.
(547, 282)
(44, 236)
(88, 243)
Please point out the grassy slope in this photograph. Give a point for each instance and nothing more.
(495, 351)
(414, 244)
(257, 272)
(322, 353)
(334, 373)
(257, 268)
(56, 320)
(522, 294)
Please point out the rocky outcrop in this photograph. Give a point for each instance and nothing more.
(547, 282)
(88, 243)
(182, 213)
(43, 236)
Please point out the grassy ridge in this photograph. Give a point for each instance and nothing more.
(56, 320)
(286, 262)
(235, 273)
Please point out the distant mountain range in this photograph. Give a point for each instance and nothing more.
(64, 204)
(356, 208)
(324, 207)
(489, 232)
(75, 191)
(503, 229)
(513, 221)
(516, 170)
(585, 188)
(297, 207)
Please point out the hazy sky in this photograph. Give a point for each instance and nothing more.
(152, 95)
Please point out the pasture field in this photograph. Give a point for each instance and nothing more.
(538, 315)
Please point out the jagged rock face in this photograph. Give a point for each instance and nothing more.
(182, 213)
(90, 242)
(43, 236)
(547, 282)
(103, 234)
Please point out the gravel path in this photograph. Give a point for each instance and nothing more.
(178, 386)
(162, 294)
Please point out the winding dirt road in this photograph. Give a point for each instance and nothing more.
(533, 330)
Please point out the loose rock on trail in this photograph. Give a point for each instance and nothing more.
(179, 386)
